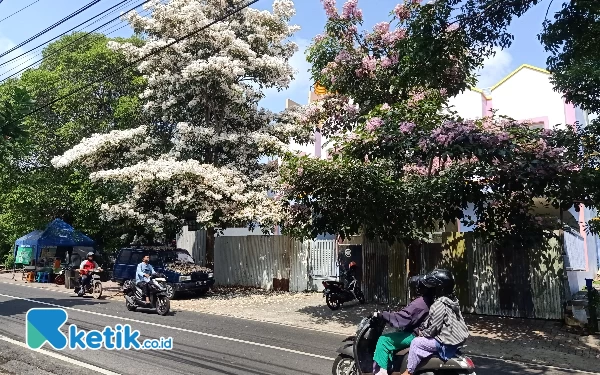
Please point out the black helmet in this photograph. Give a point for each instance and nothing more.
(440, 280)
(416, 286)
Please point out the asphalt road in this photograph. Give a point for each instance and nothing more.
(203, 344)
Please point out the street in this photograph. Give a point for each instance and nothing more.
(203, 344)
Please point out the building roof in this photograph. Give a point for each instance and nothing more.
(487, 93)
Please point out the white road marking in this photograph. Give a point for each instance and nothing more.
(570, 370)
(320, 330)
(60, 357)
(174, 328)
(285, 325)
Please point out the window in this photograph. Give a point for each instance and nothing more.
(136, 258)
(154, 260)
(124, 257)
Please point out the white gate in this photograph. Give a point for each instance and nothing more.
(322, 262)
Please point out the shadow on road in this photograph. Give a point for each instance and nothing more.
(485, 366)
(18, 306)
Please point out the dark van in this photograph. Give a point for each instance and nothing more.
(178, 266)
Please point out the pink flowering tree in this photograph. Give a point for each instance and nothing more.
(403, 163)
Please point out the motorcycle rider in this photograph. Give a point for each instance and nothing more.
(142, 276)
(407, 321)
(445, 329)
(351, 273)
(84, 272)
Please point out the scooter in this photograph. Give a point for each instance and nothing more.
(94, 288)
(356, 355)
(134, 295)
(336, 293)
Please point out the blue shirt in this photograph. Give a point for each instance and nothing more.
(142, 269)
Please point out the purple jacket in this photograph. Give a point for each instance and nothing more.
(411, 317)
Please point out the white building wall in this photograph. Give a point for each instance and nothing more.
(529, 94)
(468, 104)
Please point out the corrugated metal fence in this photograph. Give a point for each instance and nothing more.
(194, 242)
(268, 262)
(384, 272)
(504, 281)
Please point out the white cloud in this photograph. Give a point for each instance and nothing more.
(494, 68)
(299, 87)
(19, 63)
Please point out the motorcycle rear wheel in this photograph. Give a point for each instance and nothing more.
(59, 280)
(130, 306)
(163, 305)
(360, 297)
(332, 302)
(344, 365)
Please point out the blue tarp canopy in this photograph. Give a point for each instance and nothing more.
(58, 233)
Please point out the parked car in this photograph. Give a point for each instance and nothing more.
(178, 266)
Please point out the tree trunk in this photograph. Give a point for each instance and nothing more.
(210, 248)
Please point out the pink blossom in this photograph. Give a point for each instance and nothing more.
(416, 98)
(300, 171)
(416, 2)
(402, 12)
(350, 10)
(503, 137)
(343, 57)
(386, 62)
(392, 37)
(374, 124)
(350, 32)
(385, 107)
(407, 127)
(369, 64)
(330, 8)
(381, 28)
(351, 109)
(452, 27)
(443, 92)
(319, 38)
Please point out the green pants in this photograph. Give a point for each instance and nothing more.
(388, 344)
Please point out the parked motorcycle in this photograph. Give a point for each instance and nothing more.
(134, 295)
(94, 288)
(356, 355)
(336, 293)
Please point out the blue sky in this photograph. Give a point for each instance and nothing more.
(526, 49)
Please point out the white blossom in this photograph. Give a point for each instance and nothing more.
(201, 154)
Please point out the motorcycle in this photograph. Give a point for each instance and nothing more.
(134, 295)
(356, 355)
(94, 287)
(336, 293)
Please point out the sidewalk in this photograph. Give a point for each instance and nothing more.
(524, 340)
(109, 288)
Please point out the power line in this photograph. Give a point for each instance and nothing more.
(70, 43)
(25, 7)
(66, 32)
(50, 28)
(133, 63)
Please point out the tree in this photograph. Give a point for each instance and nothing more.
(32, 191)
(573, 41)
(199, 154)
(403, 162)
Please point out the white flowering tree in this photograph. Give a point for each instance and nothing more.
(201, 155)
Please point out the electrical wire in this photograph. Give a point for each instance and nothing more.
(68, 44)
(135, 62)
(89, 5)
(66, 32)
(25, 7)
